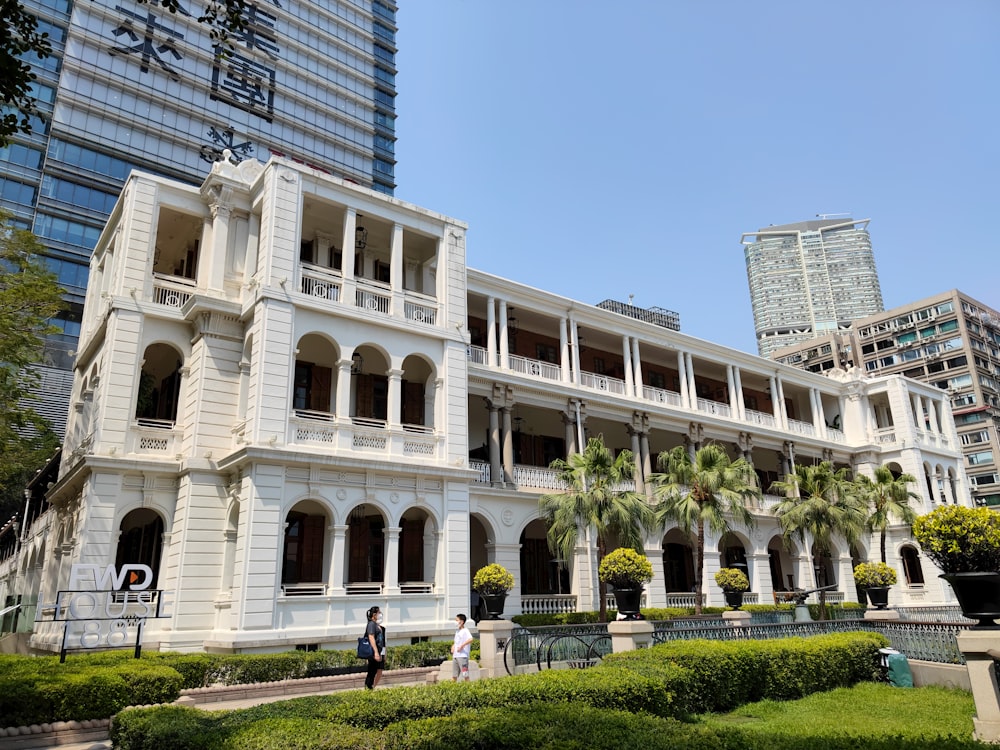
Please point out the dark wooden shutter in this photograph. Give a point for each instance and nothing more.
(363, 394)
(319, 390)
(357, 568)
(413, 403)
(411, 551)
(311, 554)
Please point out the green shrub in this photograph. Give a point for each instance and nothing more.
(492, 580)
(868, 575)
(732, 580)
(624, 568)
(960, 539)
(720, 675)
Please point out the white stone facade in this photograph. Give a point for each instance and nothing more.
(293, 400)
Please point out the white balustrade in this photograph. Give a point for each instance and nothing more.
(154, 436)
(172, 291)
(802, 428)
(483, 470)
(547, 604)
(714, 407)
(885, 437)
(538, 477)
(476, 354)
(372, 298)
(660, 396)
(759, 417)
(836, 435)
(420, 309)
(320, 283)
(602, 383)
(683, 599)
(535, 368)
(314, 427)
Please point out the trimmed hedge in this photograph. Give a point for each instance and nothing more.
(39, 690)
(720, 675)
(678, 613)
(677, 679)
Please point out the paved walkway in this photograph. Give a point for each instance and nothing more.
(229, 698)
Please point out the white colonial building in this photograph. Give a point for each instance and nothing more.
(292, 401)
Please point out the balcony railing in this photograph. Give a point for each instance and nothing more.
(836, 435)
(547, 604)
(477, 355)
(482, 468)
(602, 383)
(759, 417)
(172, 291)
(537, 477)
(154, 436)
(320, 283)
(420, 309)
(714, 407)
(660, 396)
(534, 368)
(375, 299)
(885, 436)
(802, 428)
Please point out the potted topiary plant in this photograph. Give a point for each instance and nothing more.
(627, 571)
(875, 578)
(733, 583)
(965, 544)
(492, 582)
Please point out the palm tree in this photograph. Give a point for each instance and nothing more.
(597, 496)
(820, 502)
(710, 489)
(888, 497)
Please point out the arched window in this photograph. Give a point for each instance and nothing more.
(303, 553)
(911, 566)
(141, 540)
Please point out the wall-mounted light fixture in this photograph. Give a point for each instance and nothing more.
(357, 363)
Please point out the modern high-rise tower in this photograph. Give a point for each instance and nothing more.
(809, 278)
(131, 85)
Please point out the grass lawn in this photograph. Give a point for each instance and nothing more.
(870, 710)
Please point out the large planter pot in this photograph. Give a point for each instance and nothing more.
(627, 601)
(494, 605)
(734, 599)
(978, 595)
(878, 596)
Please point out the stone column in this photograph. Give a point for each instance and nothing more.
(637, 368)
(504, 337)
(496, 470)
(395, 400)
(981, 651)
(507, 438)
(564, 361)
(627, 366)
(491, 332)
(396, 269)
(636, 458)
(347, 258)
(569, 430)
(683, 380)
(391, 573)
(493, 638)
(574, 338)
(740, 403)
(692, 387)
(344, 390)
(629, 635)
(338, 567)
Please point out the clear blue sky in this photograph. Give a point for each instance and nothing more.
(600, 149)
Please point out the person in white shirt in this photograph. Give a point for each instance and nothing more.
(460, 650)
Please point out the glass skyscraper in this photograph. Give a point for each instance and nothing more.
(132, 86)
(808, 279)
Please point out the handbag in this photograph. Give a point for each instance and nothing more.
(365, 650)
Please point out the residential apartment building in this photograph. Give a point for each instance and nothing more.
(130, 85)
(320, 420)
(808, 279)
(950, 341)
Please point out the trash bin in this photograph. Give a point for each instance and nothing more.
(897, 668)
